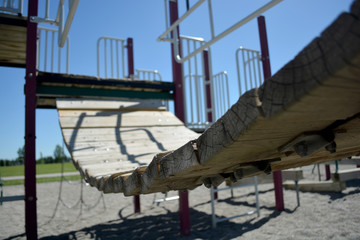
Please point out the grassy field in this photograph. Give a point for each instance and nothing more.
(11, 171)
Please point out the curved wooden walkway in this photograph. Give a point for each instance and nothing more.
(306, 113)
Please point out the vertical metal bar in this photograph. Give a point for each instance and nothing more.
(180, 113)
(258, 59)
(47, 7)
(59, 60)
(105, 57)
(211, 20)
(207, 85)
(67, 55)
(98, 57)
(249, 66)
(327, 171)
(253, 60)
(130, 54)
(30, 122)
(257, 196)
(213, 217)
(52, 50)
(319, 175)
(38, 50)
(277, 176)
(46, 52)
(123, 58)
(117, 60)
(244, 67)
(111, 58)
(297, 192)
(238, 69)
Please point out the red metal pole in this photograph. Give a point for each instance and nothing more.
(277, 176)
(130, 58)
(327, 171)
(184, 210)
(30, 118)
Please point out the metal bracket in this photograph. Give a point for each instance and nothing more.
(310, 142)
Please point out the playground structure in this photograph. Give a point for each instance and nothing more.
(270, 128)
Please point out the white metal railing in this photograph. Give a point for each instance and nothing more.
(60, 20)
(195, 103)
(248, 61)
(194, 90)
(221, 94)
(48, 55)
(150, 75)
(173, 28)
(113, 50)
(12, 6)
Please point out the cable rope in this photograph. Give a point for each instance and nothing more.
(80, 201)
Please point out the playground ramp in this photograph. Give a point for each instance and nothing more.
(307, 113)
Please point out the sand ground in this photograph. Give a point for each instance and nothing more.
(96, 216)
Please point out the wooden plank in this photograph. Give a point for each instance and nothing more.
(346, 175)
(97, 104)
(95, 119)
(160, 134)
(326, 186)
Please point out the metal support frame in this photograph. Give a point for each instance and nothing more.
(30, 117)
(184, 211)
(214, 190)
(208, 86)
(130, 59)
(277, 176)
(174, 28)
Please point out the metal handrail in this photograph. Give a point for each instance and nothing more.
(148, 75)
(60, 21)
(9, 6)
(251, 66)
(240, 23)
(112, 41)
(221, 94)
(50, 53)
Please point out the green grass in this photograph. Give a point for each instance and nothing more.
(11, 171)
(42, 180)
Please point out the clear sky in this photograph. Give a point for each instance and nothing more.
(291, 25)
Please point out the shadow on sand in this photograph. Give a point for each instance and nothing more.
(164, 226)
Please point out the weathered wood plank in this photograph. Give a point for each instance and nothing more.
(345, 175)
(100, 119)
(328, 186)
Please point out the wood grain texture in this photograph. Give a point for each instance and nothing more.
(12, 44)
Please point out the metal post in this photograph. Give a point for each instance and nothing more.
(277, 176)
(130, 54)
(130, 58)
(327, 171)
(184, 211)
(208, 85)
(30, 113)
(209, 114)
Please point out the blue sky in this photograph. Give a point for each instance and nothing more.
(291, 25)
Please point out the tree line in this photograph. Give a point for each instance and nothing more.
(58, 157)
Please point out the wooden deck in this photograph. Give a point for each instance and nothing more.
(12, 40)
(59, 85)
(306, 113)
